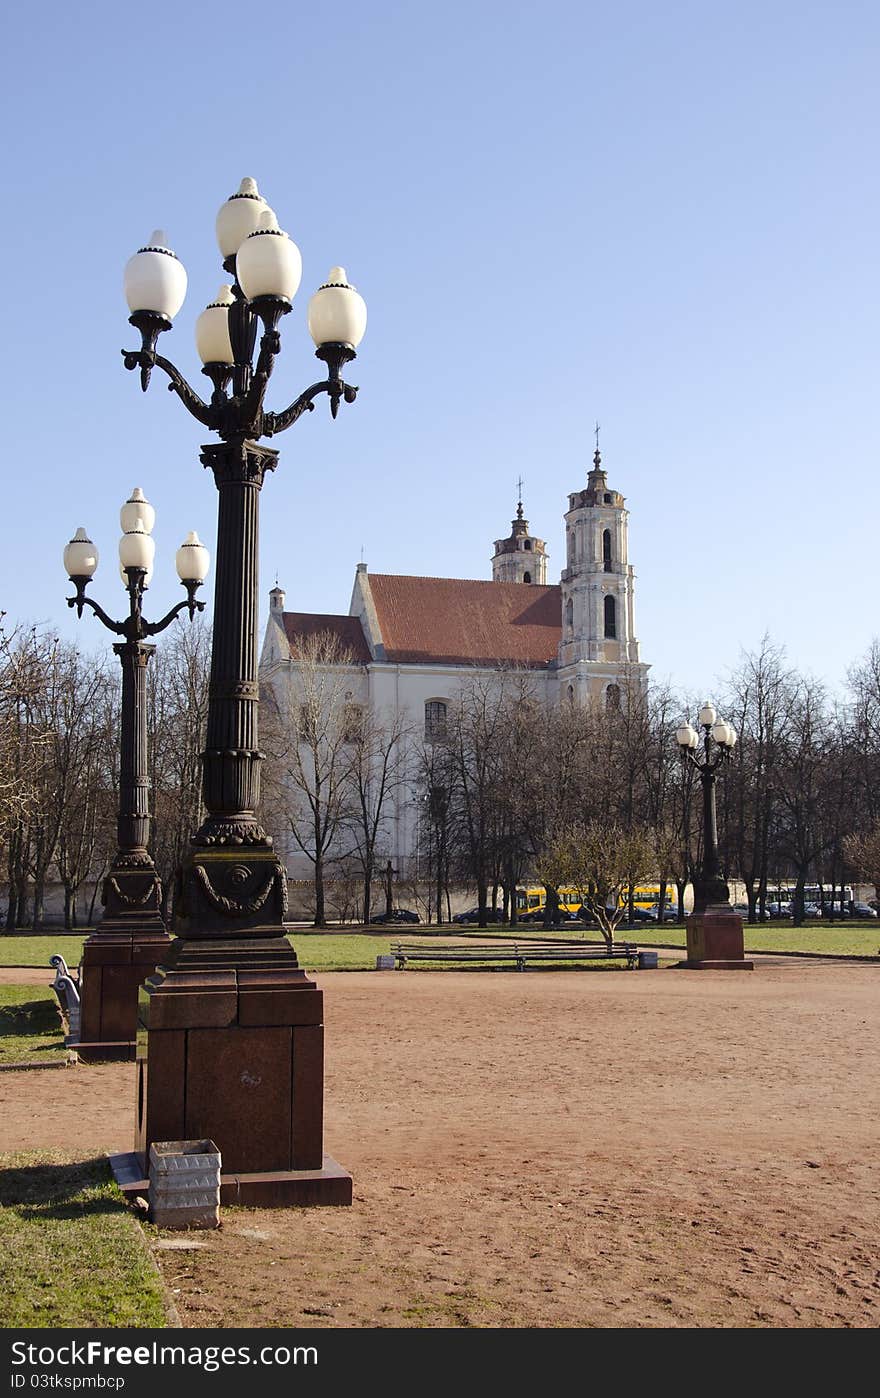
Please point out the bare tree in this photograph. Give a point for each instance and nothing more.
(305, 731)
(862, 851)
(602, 860)
(375, 770)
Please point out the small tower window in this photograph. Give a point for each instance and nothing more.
(435, 719)
(607, 498)
(612, 697)
(610, 619)
(527, 543)
(527, 577)
(606, 550)
(571, 694)
(569, 615)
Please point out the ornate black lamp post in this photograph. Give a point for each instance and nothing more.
(707, 753)
(132, 935)
(714, 928)
(234, 1043)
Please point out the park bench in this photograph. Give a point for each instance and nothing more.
(520, 954)
(67, 991)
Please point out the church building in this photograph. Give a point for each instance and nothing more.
(414, 640)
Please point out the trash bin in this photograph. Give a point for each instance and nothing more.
(184, 1184)
(647, 961)
(385, 963)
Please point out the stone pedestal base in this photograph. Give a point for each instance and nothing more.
(279, 1189)
(715, 941)
(230, 1048)
(115, 965)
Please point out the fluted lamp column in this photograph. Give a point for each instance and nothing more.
(131, 938)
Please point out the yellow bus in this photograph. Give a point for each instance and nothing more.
(531, 899)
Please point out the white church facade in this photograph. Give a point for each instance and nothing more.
(414, 641)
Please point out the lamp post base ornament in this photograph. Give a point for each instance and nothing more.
(129, 943)
(715, 940)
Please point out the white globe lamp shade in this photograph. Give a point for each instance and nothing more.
(239, 217)
(337, 314)
(137, 549)
(212, 330)
(268, 263)
(192, 559)
(80, 556)
(686, 736)
(720, 731)
(731, 735)
(137, 508)
(708, 715)
(155, 279)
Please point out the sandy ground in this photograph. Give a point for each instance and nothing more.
(555, 1149)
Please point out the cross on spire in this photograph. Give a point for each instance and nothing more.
(597, 458)
(519, 508)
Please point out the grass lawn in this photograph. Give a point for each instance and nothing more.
(24, 950)
(845, 939)
(317, 951)
(357, 951)
(71, 1253)
(30, 1025)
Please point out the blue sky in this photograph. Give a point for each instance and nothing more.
(661, 217)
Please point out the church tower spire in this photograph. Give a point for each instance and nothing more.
(521, 557)
(598, 649)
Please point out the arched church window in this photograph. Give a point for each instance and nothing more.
(610, 619)
(607, 499)
(435, 719)
(569, 615)
(527, 543)
(527, 577)
(606, 549)
(612, 697)
(571, 694)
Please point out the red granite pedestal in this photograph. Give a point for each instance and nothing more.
(715, 941)
(116, 960)
(231, 1048)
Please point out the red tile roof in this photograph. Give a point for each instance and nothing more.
(299, 625)
(456, 621)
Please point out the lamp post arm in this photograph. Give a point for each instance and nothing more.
(279, 422)
(270, 348)
(148, 359)
(189, 602)
(81, 600)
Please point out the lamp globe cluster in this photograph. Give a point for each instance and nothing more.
(137, 549)
(267, 267)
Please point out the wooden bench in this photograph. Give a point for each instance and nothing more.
(67, 993)
(519, 954)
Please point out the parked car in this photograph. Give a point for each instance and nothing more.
(639, 915)
(397, 915)
(669, 915)
(863, 910)
(812, 910)
(743, 910)
(473, 915)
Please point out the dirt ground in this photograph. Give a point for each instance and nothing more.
(552, 1149)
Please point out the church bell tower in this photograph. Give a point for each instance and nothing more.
(521, 557)
(598, 650)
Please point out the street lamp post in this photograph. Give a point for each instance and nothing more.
(132, 936)
(232, 1048)
(714, 928)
